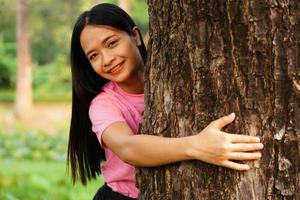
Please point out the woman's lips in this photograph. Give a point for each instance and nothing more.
(116, 70)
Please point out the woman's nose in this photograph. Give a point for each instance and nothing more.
(108, 58)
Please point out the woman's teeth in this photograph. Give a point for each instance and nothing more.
(115, 68)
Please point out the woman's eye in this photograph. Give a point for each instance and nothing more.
(92, 57)
(112, 44)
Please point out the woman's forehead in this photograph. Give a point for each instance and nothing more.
(97, 34)
(103, 29)
(99, 31)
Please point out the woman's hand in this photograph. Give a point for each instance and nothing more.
(219, 148)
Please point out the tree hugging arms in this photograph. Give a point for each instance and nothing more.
(211, 145)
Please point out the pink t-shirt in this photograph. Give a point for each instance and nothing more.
(115, 105)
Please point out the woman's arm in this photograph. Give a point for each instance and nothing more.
(211, 145)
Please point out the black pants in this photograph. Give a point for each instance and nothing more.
(106, 193)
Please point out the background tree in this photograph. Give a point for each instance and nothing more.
(210, 58)
(125, 5)
(24, 77)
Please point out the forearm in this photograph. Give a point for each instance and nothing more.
(211, 145)
(148, 150)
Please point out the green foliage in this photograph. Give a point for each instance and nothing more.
(7, 95)
(7, 63)
(52, 82)
(8, 20)
(41, 180)
(51, 24)
(20, 144)
(33, 167)
(140, 14)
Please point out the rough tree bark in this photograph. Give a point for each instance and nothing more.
(23, 101)
(207, 59)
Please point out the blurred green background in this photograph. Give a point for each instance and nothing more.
(33, 150)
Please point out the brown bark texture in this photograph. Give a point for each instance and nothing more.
(209, 58)
(23, 101)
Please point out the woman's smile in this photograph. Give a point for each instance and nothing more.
(117, 69)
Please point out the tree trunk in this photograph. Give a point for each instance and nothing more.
(125, 5)
(23, 101)
(207, 59)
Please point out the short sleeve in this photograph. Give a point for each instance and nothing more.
(103, 113)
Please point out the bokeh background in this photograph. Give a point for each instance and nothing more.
(33, 148)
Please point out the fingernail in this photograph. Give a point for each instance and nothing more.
(231, 115)
(259, 155)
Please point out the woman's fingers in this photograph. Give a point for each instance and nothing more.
(246, 147)
(234, 138)
(240, 156)
(244, 156)
(235, 166)
(223, 121)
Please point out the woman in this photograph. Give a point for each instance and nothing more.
(107, 60)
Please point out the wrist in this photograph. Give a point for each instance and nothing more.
(189, 149)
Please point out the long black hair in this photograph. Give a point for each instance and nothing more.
(84, 150)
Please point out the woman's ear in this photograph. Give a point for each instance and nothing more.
(136, 36)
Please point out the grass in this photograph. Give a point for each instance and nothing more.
(41, 180)
(59, 96)
(7, 96)
(33, 156)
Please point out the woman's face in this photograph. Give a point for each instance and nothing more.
(113, 54)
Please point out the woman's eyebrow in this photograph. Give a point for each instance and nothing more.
(107, 38)
(103, 41)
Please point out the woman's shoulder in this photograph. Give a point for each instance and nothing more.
(103, 103)
(104, 99)
(104, 95)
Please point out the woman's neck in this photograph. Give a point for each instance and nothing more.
(134, 86)
(137, 88)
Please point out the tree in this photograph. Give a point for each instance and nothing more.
(24, 78)
(210, 58)
(125, 5)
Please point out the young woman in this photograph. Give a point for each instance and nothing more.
(107, 60)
